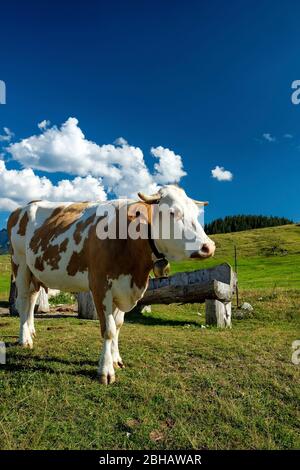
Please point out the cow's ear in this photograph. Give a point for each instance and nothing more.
(153, 199)
(201, 203)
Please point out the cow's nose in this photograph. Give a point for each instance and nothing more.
(208, 249)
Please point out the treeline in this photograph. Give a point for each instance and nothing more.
(237, 223)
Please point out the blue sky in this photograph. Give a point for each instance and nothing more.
(210, 80)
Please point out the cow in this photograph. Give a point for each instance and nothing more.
(58, 246)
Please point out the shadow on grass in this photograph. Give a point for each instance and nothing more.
(136, 317)
(131, 317)
(43, 364)
(45, 316)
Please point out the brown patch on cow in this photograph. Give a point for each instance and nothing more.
(81, 226)
(23, 224)
(56, 224)
(79, 260)
(39, 265)
(51, 256)
(108, 259)
(63, 246)
(13, 220)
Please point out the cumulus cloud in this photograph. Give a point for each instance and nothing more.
(121, 167)
(7, 136)
(267, 136)
(21, 186)
(221, 174)
(169, 168)
(288, 136)
(44, 124)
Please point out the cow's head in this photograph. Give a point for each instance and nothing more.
(178, 233)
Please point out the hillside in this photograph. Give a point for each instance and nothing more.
(267, 257)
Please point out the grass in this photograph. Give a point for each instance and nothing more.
(5, 272)
(62, 298)
(185, 386)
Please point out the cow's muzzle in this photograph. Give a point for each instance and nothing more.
(207, 250)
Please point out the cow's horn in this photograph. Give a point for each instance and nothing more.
(201, 203)
(150, 199)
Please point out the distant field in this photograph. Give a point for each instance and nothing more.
(257, 266)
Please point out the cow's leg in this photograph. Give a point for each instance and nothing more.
(104, 306)
(23, 301)
(33, 295)
(119, 320)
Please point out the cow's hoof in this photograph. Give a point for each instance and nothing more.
(107, 379)
(119, 365)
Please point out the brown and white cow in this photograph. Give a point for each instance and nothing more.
(57, 245)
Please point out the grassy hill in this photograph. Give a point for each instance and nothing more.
(268, 257)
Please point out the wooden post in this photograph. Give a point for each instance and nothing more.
(218, 313)
(236, 272)
(86, 306)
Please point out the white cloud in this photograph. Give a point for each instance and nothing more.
(120, 141)
(44, 124)
(121, 166)
(267, 136)
(169, 168)
(288, 136)
(21, 186)
(221, 174)
(7, 136)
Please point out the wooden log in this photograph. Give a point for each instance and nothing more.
(218, 313)
(187, 293)
(86, 306)
(222, 272)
